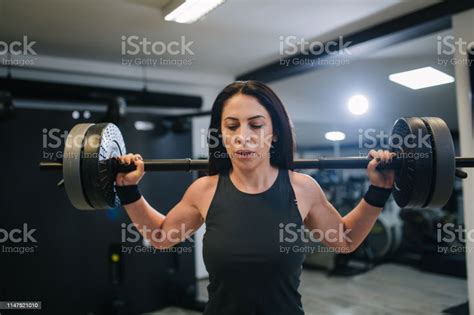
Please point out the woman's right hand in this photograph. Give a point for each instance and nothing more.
(131, 178)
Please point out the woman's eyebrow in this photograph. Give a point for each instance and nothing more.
(250, 118)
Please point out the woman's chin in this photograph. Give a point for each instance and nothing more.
(248, 163)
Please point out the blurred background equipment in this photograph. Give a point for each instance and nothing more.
(116, 110)
(7, 110)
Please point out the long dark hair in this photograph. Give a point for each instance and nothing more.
(283, 149)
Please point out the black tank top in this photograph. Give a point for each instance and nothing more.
(249, 273)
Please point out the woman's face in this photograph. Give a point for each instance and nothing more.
(247, 131)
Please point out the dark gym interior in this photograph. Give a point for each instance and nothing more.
(64, 63)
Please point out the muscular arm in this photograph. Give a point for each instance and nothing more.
(181, 221)
(344, 233)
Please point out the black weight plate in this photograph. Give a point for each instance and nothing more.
(72, 167)
(379, 238)
(444, 162)
(103, 141)
(411, 141)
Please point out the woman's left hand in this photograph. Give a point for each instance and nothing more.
(383, 178)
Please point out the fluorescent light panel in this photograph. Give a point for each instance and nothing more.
(421, 78)
(335, 135)
(192, 10)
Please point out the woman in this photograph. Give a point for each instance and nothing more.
(254, 206)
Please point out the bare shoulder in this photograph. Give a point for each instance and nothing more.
(203, 183)
(307, 191)
(201, 192)
(303, 181)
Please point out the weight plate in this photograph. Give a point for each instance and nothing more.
(444, 162)
(411, 141)
(72, 167)
(104, 141)
(380, 237)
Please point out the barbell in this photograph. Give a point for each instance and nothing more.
(424, 170)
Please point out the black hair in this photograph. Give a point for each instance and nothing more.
(283, 149)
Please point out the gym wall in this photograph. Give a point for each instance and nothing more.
(71, 263)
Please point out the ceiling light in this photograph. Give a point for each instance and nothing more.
(421, 78)
(335, 135)
(358, 104)
(144, 125)
(189, 11)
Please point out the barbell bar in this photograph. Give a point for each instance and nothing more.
(189, 165)
(89, 165)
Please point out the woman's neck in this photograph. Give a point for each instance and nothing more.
(257, 179)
